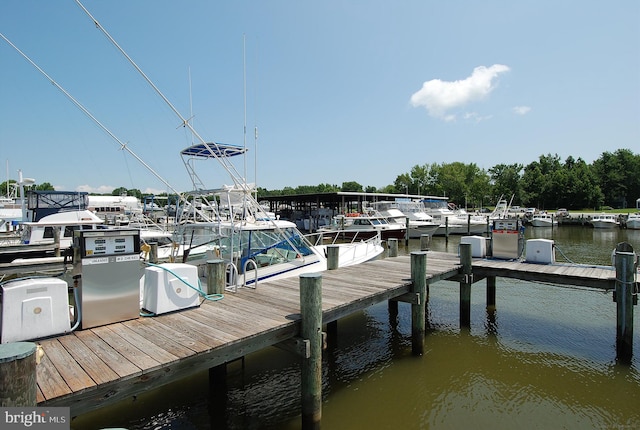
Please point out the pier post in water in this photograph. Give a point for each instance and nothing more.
(625, 283)
(393, 247)
(406, 232)
(446, 229)
(425, 242)
(216, 270)
(465, 285)
(333, 257)
(311, 330)
(491, 293)
(333, 262)
(18, 374)
(418, 311)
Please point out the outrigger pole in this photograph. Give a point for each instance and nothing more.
(123, 146)
(228, 166)
(235, 176)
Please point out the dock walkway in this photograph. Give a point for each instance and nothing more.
(88, 369)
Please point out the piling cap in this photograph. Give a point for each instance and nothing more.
(16, 351)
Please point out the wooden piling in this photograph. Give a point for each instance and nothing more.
(465, 285)
(625, 283)
(393, 247)
(18, 374)
(333, 257)
(406, 232)
(491, 293)
(216, 270)
(446, 229)
(418, 310)
(425, 242)
(311, 330)
(153, 252)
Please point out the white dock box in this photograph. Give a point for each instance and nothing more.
(34, 308)
(478, 245)
(540, 251)
(166, 288)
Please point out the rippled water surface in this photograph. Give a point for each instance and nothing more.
(544, 359)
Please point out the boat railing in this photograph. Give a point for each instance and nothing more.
(232, 277)
(252, 262)
(338, 236)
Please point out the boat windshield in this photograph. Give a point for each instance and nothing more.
(435, 204)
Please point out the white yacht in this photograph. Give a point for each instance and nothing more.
(455, 222)
(400, 211)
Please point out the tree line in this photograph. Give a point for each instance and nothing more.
(613, 180)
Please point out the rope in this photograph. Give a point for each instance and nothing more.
(563, 254)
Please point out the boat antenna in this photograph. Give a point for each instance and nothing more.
(244, 100)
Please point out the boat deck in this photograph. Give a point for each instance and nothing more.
(89, 368)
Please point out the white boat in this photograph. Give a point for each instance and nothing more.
(455, 222)
(228, 223)
(633, 221)
(48, 236)
(364, 226)
(543, 219)
(605, 221)
(400, 211)
(237, 229)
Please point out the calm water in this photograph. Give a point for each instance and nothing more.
(545, 359)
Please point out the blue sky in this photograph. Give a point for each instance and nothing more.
(339, 90)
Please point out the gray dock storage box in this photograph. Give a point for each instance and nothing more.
(33, 308)
(478, 245)
(540, 251)
(170, 287)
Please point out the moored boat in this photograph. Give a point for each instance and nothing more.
(364, 226)
(605, 221)
(543, 219)
(403, 212)
(228, 223)
(633, 221)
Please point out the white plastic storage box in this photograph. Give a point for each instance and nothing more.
(478, 245)
(540, 251)
(168, 288)
(34, 308)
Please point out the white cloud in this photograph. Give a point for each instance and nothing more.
(522, 110)
(439, 97)
(102, 189)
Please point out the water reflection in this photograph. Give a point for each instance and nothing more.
(543, 355)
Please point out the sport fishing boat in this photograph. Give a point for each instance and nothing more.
(228, 223)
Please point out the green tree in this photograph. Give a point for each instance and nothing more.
(45, 186)
(506, 180)
(351, 186)
(618, 176)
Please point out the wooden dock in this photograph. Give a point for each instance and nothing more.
(88, 369)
